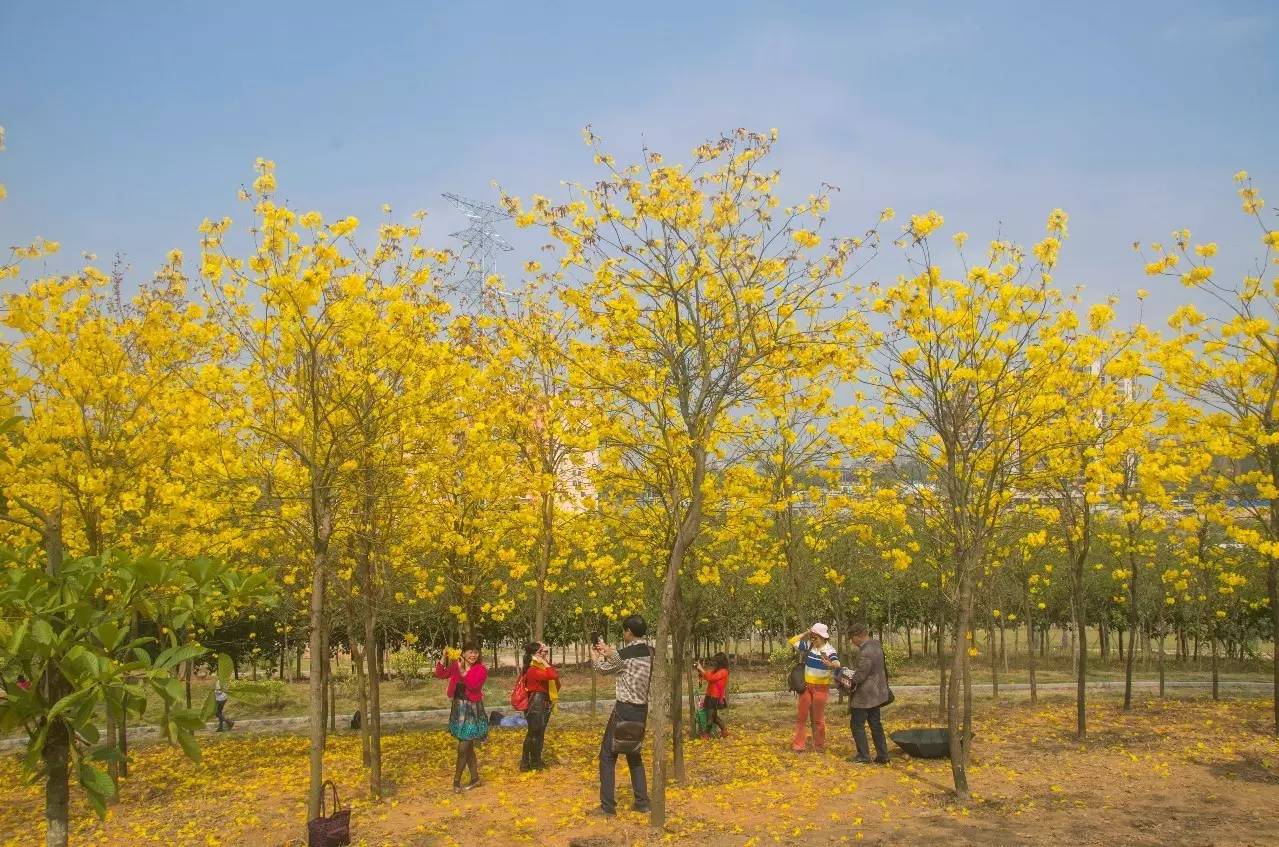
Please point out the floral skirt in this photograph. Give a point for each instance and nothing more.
(468, 721)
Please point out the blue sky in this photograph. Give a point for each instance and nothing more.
(130, 122)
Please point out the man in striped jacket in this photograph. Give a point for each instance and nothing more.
(633, 665)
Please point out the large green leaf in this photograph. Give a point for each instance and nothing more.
(175, 656)
(109, 633)
(16, 639)
(42, 633)
(35, 749)
(187, 742)
(97, 784)
(70, 701)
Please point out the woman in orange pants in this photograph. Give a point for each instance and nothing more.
(820, 664)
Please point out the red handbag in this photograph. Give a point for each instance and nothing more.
(331, 831)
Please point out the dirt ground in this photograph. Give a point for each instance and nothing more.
(1190, 772)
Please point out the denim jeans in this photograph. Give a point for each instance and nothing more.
(608, 759)
(858, 724)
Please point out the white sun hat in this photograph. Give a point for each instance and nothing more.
(821, 630)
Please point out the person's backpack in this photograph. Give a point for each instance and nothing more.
(519, 695)
(795, 682)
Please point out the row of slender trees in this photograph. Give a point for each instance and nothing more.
(703, 408)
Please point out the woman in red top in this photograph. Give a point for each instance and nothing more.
(468, 722)
(542, 681)
(716, 684)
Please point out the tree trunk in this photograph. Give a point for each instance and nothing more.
(1133, 625)
(113, 767)
(57, 793)
(315, 685)
(333, 695)
(955, 722)
(692, 701)
(544, 559)
(1030, 648)
(1161, 657)
(373, 717)
(677, 702)
(122, 727)
(1003, 653)
(1081, 638)
(994, 664)
(362, 692)
(943, 686)
(1216, 695)
(684, 537)
(57, 743)
(1272, 583)
(324, 684)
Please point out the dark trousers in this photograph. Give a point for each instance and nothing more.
(858, 723)
(538, 716)
(711, 705)
(218, 706)
(608, 759)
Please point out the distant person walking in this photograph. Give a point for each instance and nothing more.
(869, 679)
(820, 663)
(468, 722)
(633, 665)
(716, 685)
(220, 697)
(542, 681)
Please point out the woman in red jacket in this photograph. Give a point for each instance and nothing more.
(468, 722)
(716, 684)
(542, 681)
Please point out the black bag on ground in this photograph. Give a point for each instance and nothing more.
(331, 831)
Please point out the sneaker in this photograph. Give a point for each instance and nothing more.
(859, 760)
(475, 783)
(601, 812)
(642, 807)
(457, 788)
(883, 761)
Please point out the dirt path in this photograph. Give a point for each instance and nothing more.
(581, 707)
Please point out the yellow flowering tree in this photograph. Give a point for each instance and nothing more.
(1229, 364)
(550, 427)
(968, 370)
(302, 312)
(699, 296)
(1085, 456)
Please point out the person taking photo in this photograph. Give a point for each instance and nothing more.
(542, 681)
(468, 722)
(716, 680)
(633, 664)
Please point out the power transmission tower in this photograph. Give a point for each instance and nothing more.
(480, 241)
